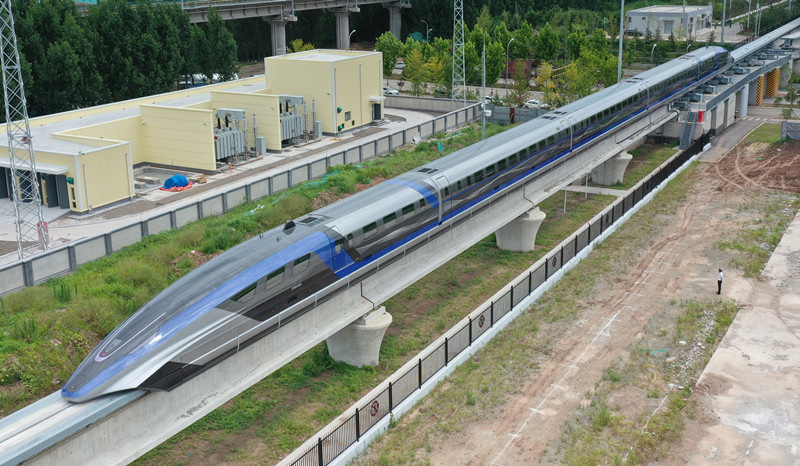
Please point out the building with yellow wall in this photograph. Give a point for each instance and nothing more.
(85, 158)
(344, 85)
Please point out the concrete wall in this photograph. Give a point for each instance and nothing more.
(104, 176)
(182, 137)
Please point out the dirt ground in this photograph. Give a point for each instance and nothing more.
(680, 264)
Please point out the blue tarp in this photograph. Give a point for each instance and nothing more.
(176, 180)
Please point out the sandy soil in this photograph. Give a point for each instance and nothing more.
(680, 264)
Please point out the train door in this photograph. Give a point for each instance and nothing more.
(570, 121)
(443, 192)
(338, 251)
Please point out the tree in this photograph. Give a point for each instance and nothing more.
(575, 83)
(391, 48)
(221, 48)
(416, 71)
(791, 97)
(576, 42)
(520, 86)
(435, 71)
(495, 61)
(599, 41)
(602, 67)
(524, 41)
(298, 45)
(544, 79)
(547, 43)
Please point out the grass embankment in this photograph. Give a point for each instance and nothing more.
(646, 158)
(46, 331)
(509, 362)
(769, 133)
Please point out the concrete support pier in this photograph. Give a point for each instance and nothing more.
(343, 26)
(520, 233)
(742, 99)
(612, 170)
(278, 26)
(359, 343)
(394, 16)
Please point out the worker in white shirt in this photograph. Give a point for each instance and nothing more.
(719, 282)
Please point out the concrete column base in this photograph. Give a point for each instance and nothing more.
(520, 233)
(278, 30)
(343, 26)
(359, 343)
(612, 170)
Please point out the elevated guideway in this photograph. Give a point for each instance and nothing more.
(118, 429)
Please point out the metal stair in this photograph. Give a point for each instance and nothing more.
(688, 130)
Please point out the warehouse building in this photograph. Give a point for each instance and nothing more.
(669, 19)
(89, 158)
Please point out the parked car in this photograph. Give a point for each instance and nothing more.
(389, 90)
(533, 103)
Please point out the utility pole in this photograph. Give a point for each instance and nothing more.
(483, 88)
(31, 227)
(459, 82)
(621, 35)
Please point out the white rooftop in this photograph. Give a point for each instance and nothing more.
(324, 55)
(655, 9)
(42, 132)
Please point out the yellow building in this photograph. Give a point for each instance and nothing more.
(344, 85)
(86, 158)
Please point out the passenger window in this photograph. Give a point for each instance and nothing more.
(369, 230)
(338, 245)
(245, 295)
(551, 140)
(469, 181)
(459, 186)
(490, 170)
(501, 165)
(408, 209)
(512, 160)
(350, 240)
(478, 176)
(301, 264)
(389, 220)
(447, 190)
(275, 277)
(422, 204)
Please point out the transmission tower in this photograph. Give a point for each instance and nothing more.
(459, 81)
(31, 227)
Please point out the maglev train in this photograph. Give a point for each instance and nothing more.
(251, 290)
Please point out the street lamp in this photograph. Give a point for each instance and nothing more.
(348, 38)
(651, 52)
(427, 30)
(507, 47)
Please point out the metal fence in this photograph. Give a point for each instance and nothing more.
(327, 448)
(65, 259)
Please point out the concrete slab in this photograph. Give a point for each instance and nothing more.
(751, 381)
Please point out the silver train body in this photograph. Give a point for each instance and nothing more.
(261, 284)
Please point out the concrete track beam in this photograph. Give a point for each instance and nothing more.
(520, 233)
(612, 170)
(359, 344)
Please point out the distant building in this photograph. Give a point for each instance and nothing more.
(93, 157)
(669, 19)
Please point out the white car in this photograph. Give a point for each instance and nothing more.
(533, 103)
(389, 90)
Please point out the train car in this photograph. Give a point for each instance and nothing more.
(254, 288)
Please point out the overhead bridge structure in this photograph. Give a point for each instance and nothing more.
(108, 430)
(280, 12)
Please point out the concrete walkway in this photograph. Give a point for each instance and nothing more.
(751, 382)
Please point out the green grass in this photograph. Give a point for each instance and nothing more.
(753, 244)
(604, 433)
(769, 133)
(648, 157)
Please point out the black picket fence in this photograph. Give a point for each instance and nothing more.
(365, 417)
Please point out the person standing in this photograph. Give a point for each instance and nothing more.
(719, 282)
